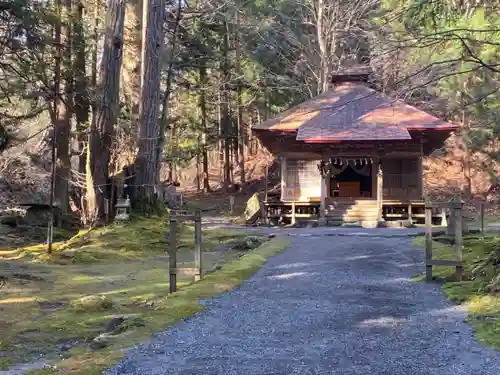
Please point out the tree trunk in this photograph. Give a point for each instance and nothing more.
(95, 48)
(106, 112)
(239, 109)
(225, 119)
(203, 108)
(146, 162)
(465, 135)
(198, 184)
(466, 159)
(63, 99)
(132, 60)
(168, 90)
(172, 173)
(321, 34)
(220, 143)
(81, 98)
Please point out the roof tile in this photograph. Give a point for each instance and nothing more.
(353, 111)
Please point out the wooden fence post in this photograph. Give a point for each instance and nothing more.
(172, 253)
(266, 181)
(482, 218)
(428, 241)
(197, 245)
(450, 229)
(263, 212)
(457, 207)
(107, 209)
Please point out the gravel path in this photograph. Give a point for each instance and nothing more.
(328, 305)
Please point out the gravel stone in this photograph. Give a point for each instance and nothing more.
(328, 305)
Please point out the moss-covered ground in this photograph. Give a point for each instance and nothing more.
(483, 306)
(126, 267)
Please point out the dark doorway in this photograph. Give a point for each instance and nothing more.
(353, 181)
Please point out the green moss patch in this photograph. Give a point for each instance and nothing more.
(64, 301)
(166, 310)
(475, 291)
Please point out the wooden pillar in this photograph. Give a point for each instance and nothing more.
(283, 177)
(380, 189)
(266, 180)
(172, 253)
(482, 217)
(444, 220)
(451, 223)
(420, 166)
(374, 177)
(428, 240)
(197, 246)
(457, 207)
(322, 203)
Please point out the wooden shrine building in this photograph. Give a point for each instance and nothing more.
(351, 154)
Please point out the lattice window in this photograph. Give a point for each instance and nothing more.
(302, 178)
(400, 173)
(292, 173)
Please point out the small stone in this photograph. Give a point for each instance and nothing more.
(93, 302)
(115, 323)
(100, 342)
(122, 323)
(68, 253)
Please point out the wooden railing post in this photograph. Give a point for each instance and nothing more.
(264, 210)
(172, 253)
(457, 208)
(197, 245)
(380, 190)
(456, 213)
(428, 240)
(482, 218)
(322, 202)
(450, 229)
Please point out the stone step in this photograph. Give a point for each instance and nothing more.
(350, 204)
(353, 217)
(359, 213)
(354, 211)
(346, 207)
(353, 202)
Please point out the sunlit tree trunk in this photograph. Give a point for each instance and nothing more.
(239, 109)
(146, 162)
(81, 97)
(106, 112)
(63, 99)
(225, 118)
(168, 89)
(203, 108)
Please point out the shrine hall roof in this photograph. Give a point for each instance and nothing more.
(353, 111)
